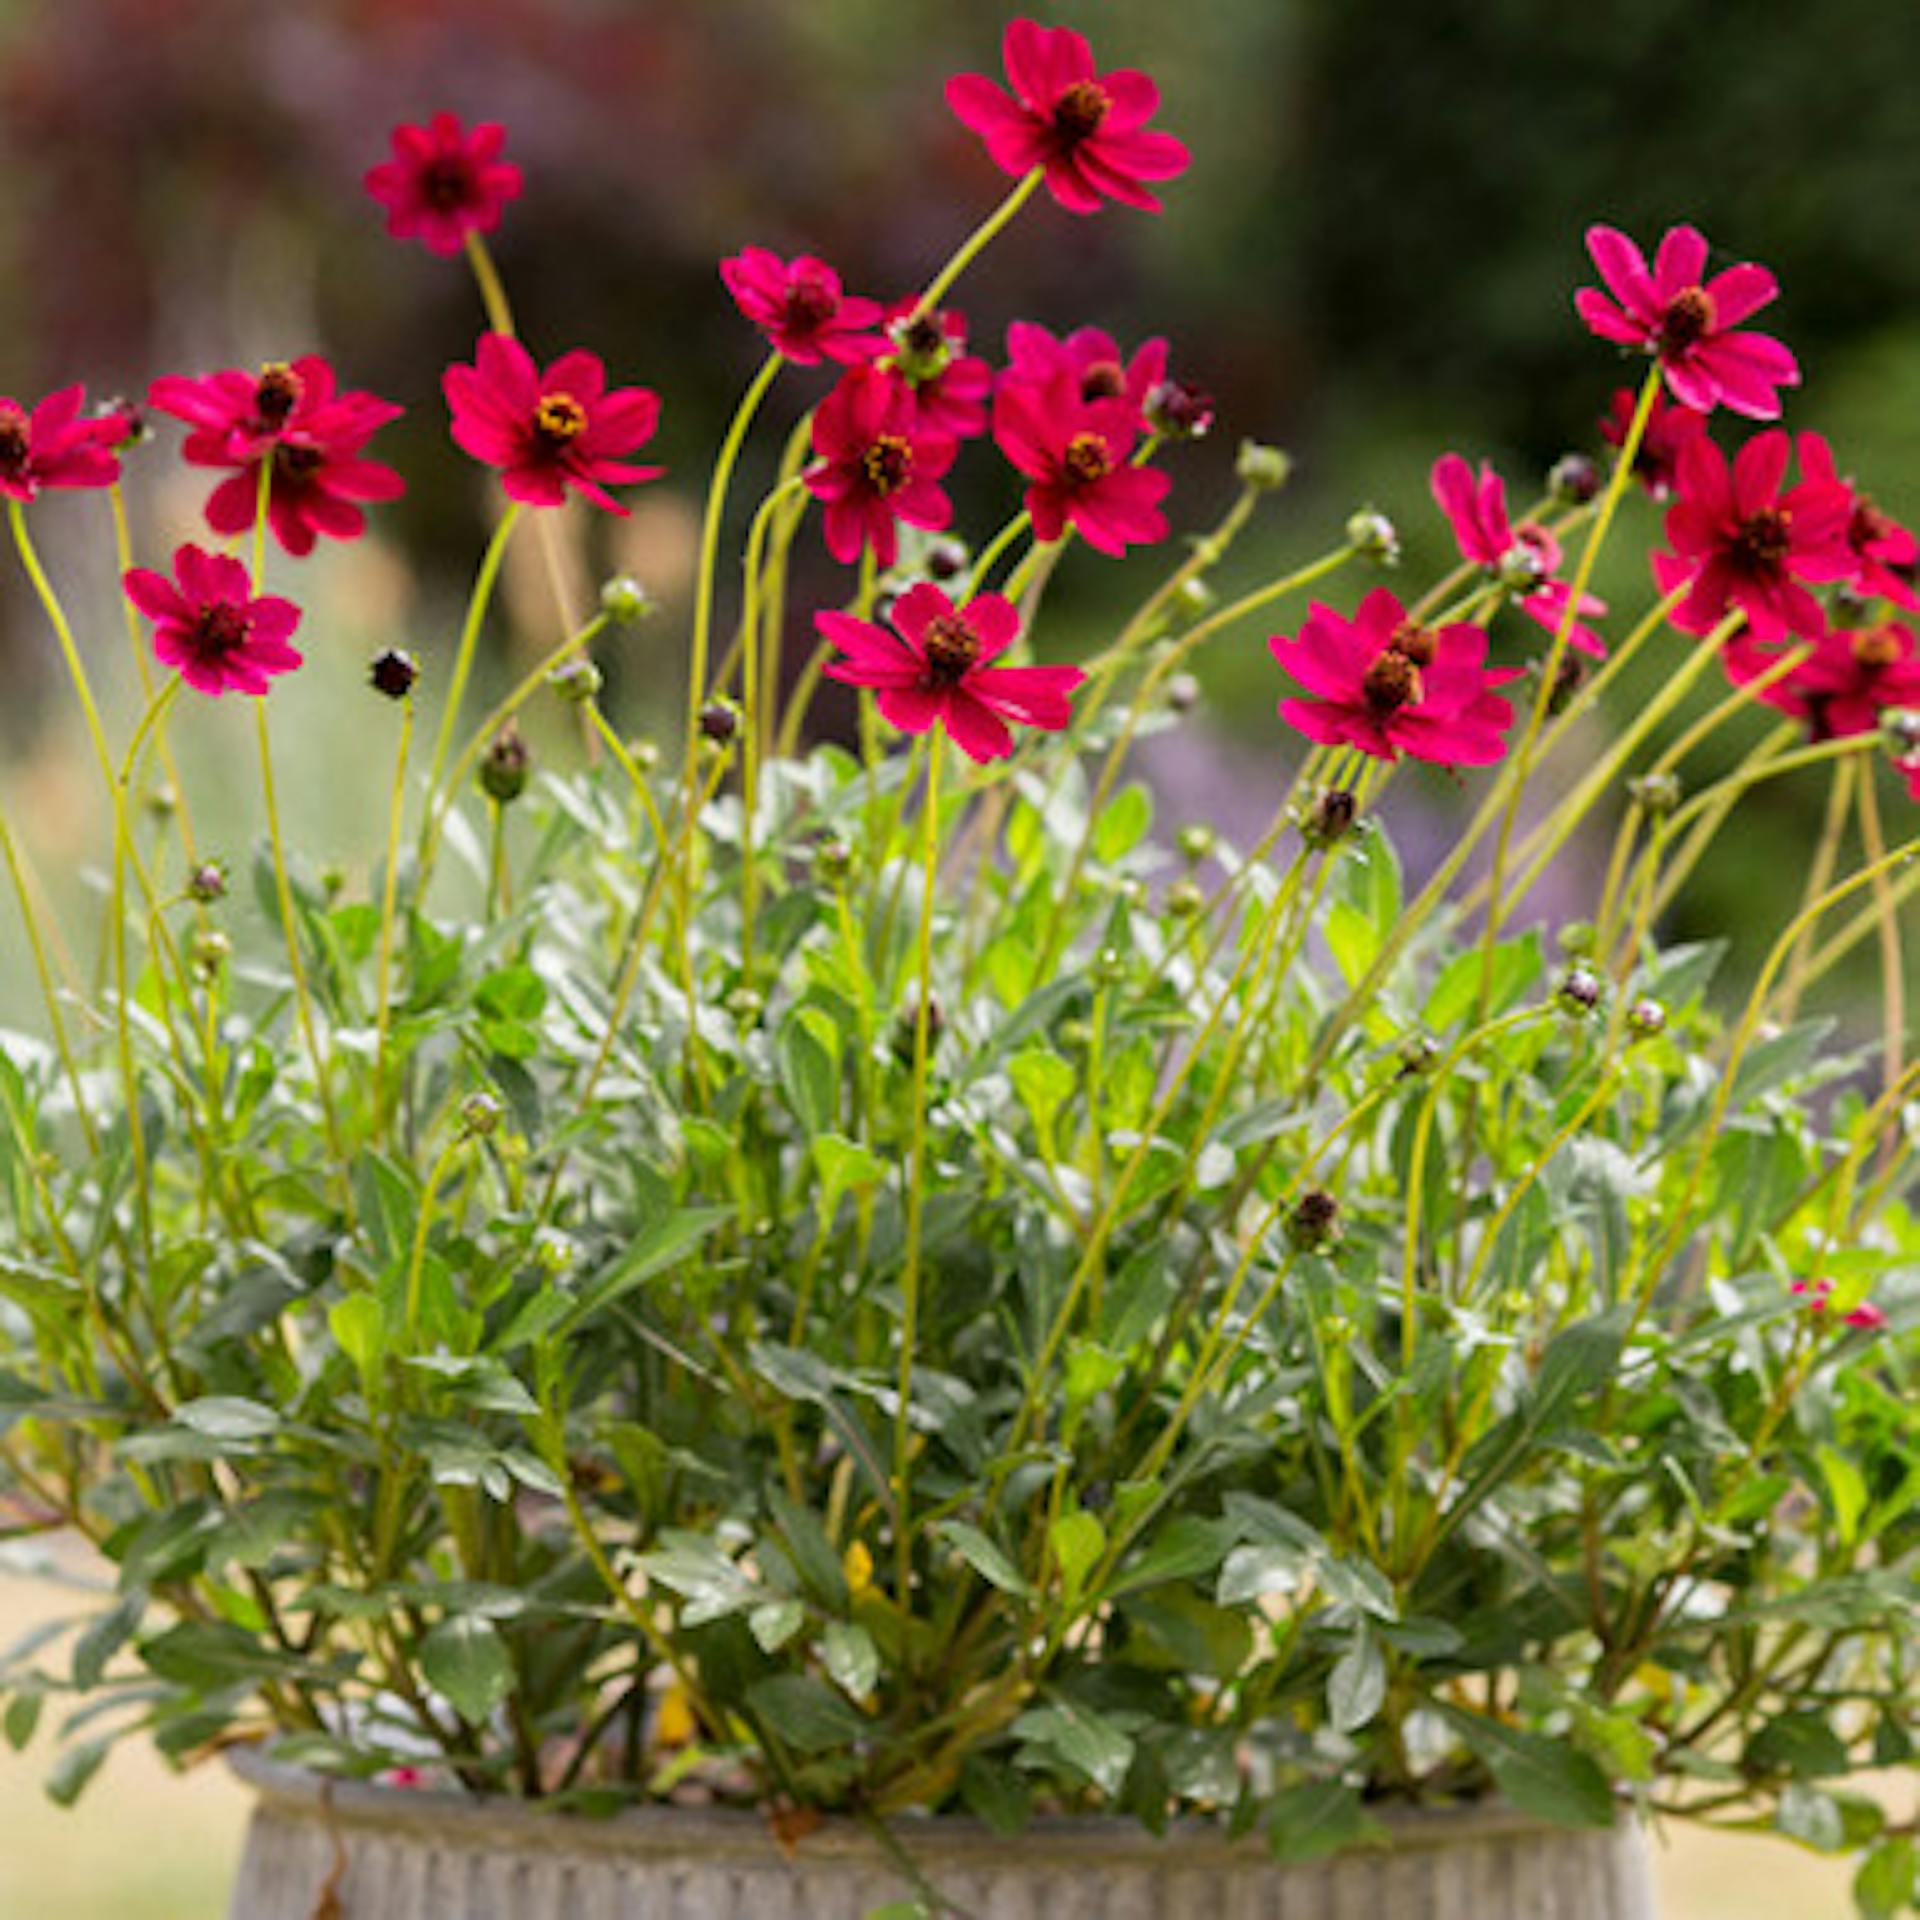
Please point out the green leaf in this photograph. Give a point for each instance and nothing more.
(359, 1329)
(75, 1767)
(1083, 1740)
(1547, 1778)
(1812, 1818)
(809, 1716)
(774, 1622)
(465, 1658)
(852, 1660)
(808, 1055)
(1078, 1540)
(1318, 1818)
(1352, 939)
(228, 1419)
(1123, 823)
(23, 1716)
(1799, 1743)
(996, 1795)
(1517, 964)
(1884, 1888)
(1045, 1083)
(662, 1245)
(984, 1557)
(803, 1535)
(108, 1633)
(844, 1166)
(1358, 1683)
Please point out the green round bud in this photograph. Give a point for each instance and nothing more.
(1196, 843)
(1374, 537)
(624, 599)
(211, 951)
(1657, 794)
(1185, 898)
(1581, 989)
(480, 1115)
(746, 1005)
(505, 767)
(577, 681)
(1647, 1018)
(1265, 469)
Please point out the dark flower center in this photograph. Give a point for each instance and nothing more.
(920, 336)
(559, 418)
(219, 630)
(1688, 319)
(1414, 643)
(1392, 682)
(1104, 380)
(277, 394)
(1875, 649)
(1078, 112)
(296, 463)
(888, 463)
(446, 182)
(1868, 526)
(15, 441)
(1762, 541)
(1088, 459)
(809, 305)
(951, 647)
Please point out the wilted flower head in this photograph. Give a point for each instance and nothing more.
(1687, 322)
(210, 627)
(444, 182)
(935, 663)
(1087, 130)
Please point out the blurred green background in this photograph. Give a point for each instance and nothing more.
(1370, 262)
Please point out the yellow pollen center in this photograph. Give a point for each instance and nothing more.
(559, 418)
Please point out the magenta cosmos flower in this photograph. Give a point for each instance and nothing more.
(1669, 427)
(315, 435)
(1087, 130)
(1852, 677)
(1385, 684)
(1688, 323)
(51, 446)
(936, 664)
(951, 387)
(1741, 539)
(1524, 559)
(1090, 358)
(1076, 456)
(1886, 553)
(799, 305)
(876, 466)
(210, 627)
(444, 182)
(550, 430)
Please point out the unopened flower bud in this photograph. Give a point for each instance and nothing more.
(505, 766)
(1580, 989)
(130, 420)
(1330, 818)
(1314, 1221)
(1419, 1053)
(1657, 794)
(480, 1115)
(644, 754)
(746, 1005)
(393, 672)
(719, 721)
(1196, 842)
(553, 1251)
(1577, 938)
(1900, 729)
(1195, 599)
(1107, 967)
(162, 802)
(625, 600)
(1183, 693)
(1521, 568)
(946, 558)
(211, 951)
(1076, 1032)
(333, 880)
(1574, 479)
(832, 859)
(577, 681)
(1177, 411)
(922, 347)
(1184, 899)
(1647, 1018)
(208, 882)
(1374, 537)
(906, 1027)
(1262, 468)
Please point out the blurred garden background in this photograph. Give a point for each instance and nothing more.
(1370, 262)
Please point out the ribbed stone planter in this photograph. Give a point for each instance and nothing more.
(408, 1855)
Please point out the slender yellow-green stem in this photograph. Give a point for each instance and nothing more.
(910, 1275)
(995, 550)
(493, 293)
(1819, 875)
(389, 900)
(977, 242)
(1873, 843)
(477, 604)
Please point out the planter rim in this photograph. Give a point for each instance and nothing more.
(499, 1822)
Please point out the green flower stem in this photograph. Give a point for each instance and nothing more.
(449, 1157)
(1843, 943)
(773, 618)
(995, 551)
(389, 903)
(1873, 842)
(977, 242)
(493, 292)
(910, 1275)
(1656, 1268)
(477, 604)
(49, 986)
(1819, 877)
(477, 742)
